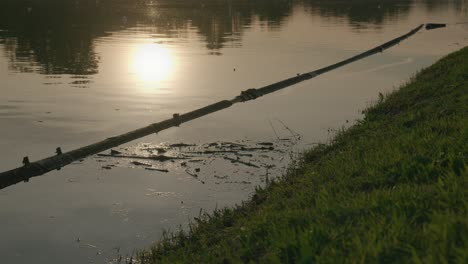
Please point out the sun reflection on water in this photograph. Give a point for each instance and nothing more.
(152, 63)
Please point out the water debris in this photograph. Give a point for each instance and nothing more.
(212, 152)
(107, 167)
(239, 182)
(256, 159)
(115, 152)
(255, 149)
(161, 150)
(241, 162)
(194, 175)
(232, 144)
(181, 145)
(156, 169)
(191, 173)
(265, 143)
(161, 158)
(137, 163)
(430, 26)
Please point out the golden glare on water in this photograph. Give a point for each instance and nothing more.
(152, 63)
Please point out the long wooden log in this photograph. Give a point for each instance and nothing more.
(40, 167)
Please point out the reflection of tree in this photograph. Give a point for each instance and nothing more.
(222, 20)
(360, 13)
(55, 53)
(434, 5)
(57, 36)
(218, 21)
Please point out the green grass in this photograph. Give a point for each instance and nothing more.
(393, 189)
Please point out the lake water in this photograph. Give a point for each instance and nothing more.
(76, 72)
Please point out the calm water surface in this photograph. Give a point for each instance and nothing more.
(75, 72)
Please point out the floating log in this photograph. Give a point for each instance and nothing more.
(161, 158)
(156, 169)
(33, 169)
(241, 162)
(430, 26)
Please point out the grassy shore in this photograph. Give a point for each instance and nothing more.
(392, 188)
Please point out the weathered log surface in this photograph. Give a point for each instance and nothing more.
(33, 169)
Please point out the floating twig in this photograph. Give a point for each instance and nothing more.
(194, 175)
(265, 143)
(156, 169)
(212, 152)
(161, 158)
(181, 145)
(141, 163)
(241, 162)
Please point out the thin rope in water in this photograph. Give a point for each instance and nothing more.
(56, 162)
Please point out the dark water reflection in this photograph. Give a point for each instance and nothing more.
(141, 61)
(56, 37)
(362, 13)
